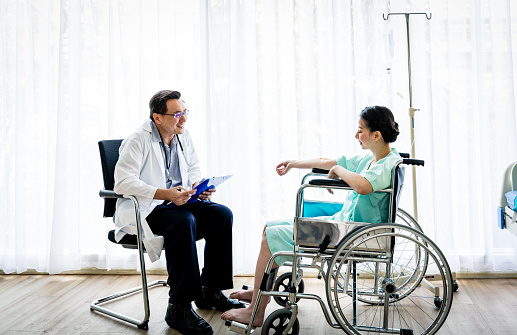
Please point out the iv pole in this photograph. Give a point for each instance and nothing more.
(411, 109)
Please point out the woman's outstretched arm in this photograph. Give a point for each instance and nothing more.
(320, 163)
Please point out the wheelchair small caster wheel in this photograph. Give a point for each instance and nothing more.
(455, 286)
(406, 332)
(277, 321)
(438, 302)
(281, 285)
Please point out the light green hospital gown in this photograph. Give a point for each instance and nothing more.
(371, 208)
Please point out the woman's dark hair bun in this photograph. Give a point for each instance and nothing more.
(379, 118)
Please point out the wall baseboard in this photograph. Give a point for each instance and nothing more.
(309, 273)
(93, 271)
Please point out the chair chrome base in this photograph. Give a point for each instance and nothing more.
(142, 324)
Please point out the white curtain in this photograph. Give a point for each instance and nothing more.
(265, 81)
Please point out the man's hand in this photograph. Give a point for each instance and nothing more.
(180, 195)
(206, 194)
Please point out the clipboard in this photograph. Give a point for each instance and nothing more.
(204, 185)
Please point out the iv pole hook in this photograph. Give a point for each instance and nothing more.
(386, 17)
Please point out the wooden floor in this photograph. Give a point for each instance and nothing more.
(60, 304)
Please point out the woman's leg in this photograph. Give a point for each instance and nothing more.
(243, 315)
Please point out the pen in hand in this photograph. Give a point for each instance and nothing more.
(192, 196)
(179, 189)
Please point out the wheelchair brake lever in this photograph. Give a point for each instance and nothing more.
(324, 245)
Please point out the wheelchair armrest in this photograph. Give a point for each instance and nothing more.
(328, 182)
(109, 194)
(320, 171)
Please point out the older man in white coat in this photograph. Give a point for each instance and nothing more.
(158, 164)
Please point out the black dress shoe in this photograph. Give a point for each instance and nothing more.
(218, 300)
(183, 318)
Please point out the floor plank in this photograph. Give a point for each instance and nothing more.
(60, 304)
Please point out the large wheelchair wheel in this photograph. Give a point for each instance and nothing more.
(277, 321)
(405, 218)
(387, 296)
(408, 279)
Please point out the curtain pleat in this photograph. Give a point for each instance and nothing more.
(265, 81)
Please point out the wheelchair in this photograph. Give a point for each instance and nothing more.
(374, 274)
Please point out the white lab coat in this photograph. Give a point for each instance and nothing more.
(140, 172)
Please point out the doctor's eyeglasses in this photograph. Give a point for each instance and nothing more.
(177, 115)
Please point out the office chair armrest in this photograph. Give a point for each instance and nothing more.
(109, 194)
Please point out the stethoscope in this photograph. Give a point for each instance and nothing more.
(167, 161)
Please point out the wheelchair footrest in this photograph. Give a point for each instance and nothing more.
(237, 327)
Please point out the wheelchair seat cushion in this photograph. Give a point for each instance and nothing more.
(311, 233)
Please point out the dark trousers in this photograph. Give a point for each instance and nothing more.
(181, 227)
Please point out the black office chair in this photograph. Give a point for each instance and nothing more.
(109, 157)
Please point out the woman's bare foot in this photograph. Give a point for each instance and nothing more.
(242, 295)
(243, 315)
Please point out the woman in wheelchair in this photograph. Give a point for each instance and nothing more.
(365, 174)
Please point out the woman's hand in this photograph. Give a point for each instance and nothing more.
(360, 184)
(284, 167)
(334, 172)
(333, 175)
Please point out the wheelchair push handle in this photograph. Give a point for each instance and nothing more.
(409, 161)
